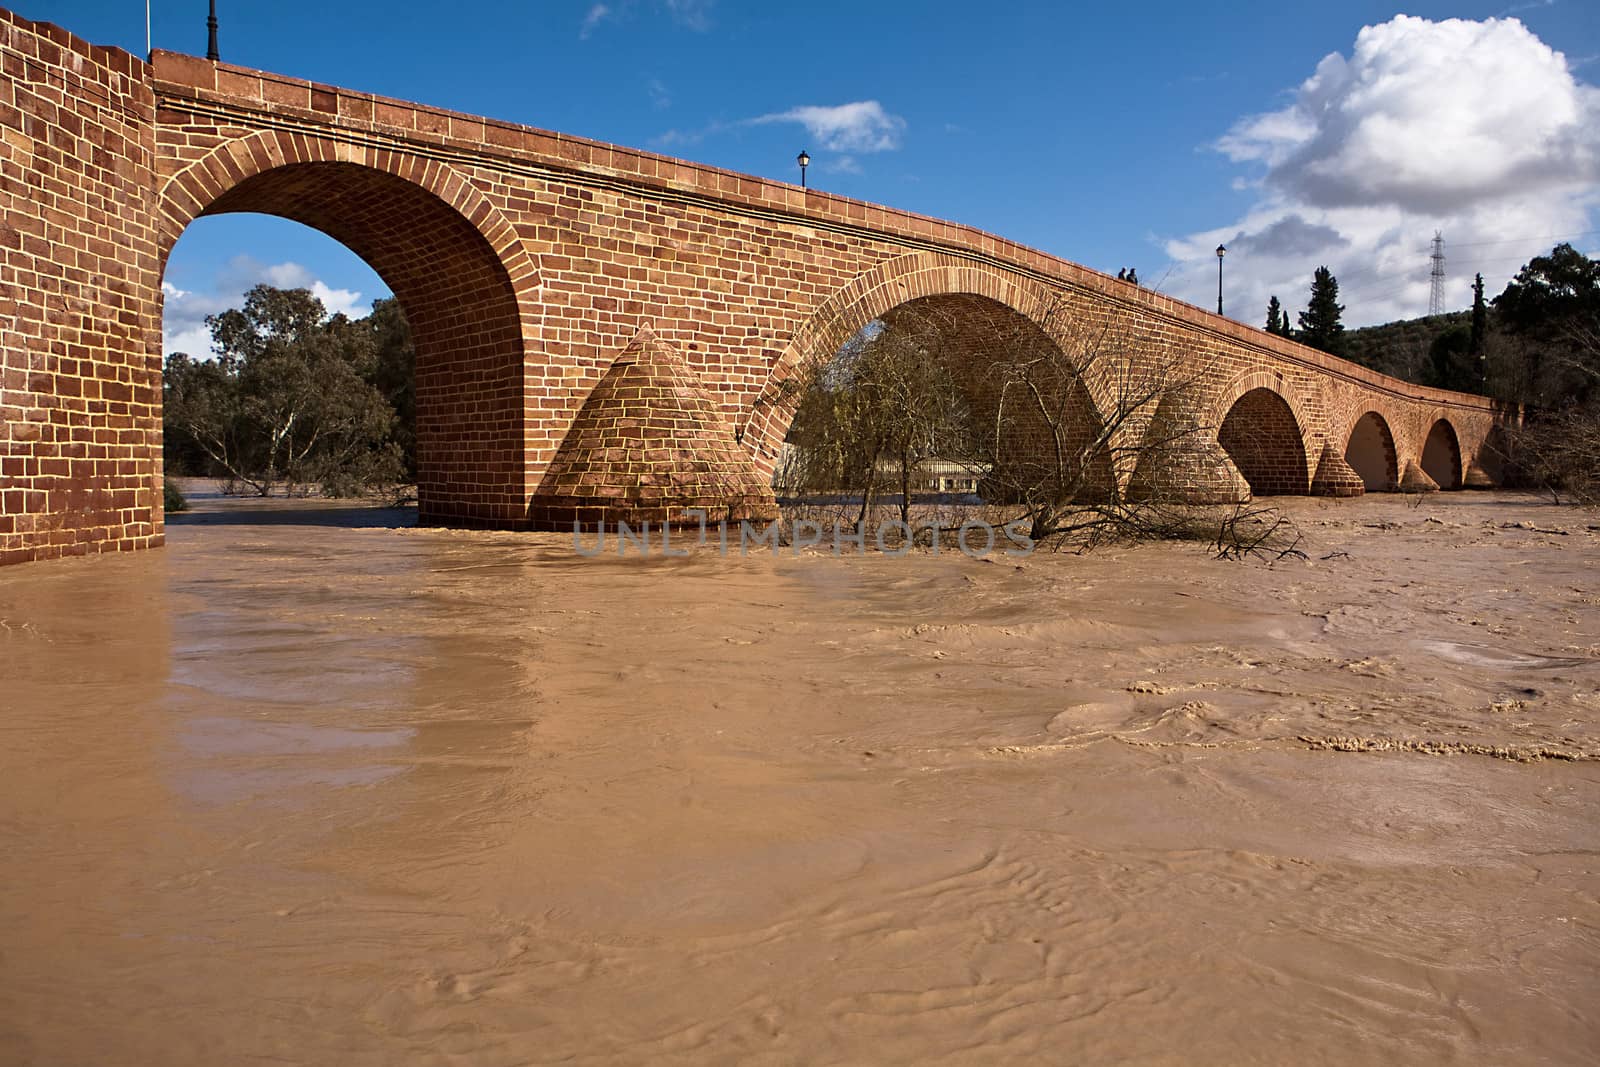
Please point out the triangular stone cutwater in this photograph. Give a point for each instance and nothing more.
(1335, 476)
(1416, 480)
(649, 445)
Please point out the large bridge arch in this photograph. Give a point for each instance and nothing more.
(965, 289)
(451, 259)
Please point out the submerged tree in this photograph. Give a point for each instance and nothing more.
(288, 400)
(870, 417)
(1086, 422)
(1079, 427)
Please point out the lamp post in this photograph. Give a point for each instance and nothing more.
(804, 161)
(1220, 251)
(211, 29)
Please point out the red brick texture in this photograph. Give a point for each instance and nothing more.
(649, 446)
(80, 399)
(525, 261)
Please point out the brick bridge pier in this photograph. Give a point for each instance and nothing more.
(600, 332)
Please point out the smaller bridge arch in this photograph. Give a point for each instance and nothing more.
(1262, 425)
(1371, 453)
(1441, 455)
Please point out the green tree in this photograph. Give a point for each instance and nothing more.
(1552, 308)
(1274, 316)
(288, 400)
(181, 454)
(395, 374)
(199, 403)
(1545, 354)
(1450, 361)
(1480, 317)
(1319, 322)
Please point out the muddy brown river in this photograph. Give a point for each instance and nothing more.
(303, 789)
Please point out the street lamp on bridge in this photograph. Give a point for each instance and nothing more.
(804, 161)
(1220, 251)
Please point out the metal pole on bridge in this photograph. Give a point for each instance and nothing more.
(1220, 251)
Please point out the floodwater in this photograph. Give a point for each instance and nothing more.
(316, 791)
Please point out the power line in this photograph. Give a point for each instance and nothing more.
(1519, 240)
(1477, 266)
(1362, 275)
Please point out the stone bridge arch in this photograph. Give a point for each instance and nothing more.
(454, 262)
(1441, 457)
(967, 289)
(1370, 450)
(1266, 428)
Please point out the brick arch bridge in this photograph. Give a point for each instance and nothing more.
(601, 331)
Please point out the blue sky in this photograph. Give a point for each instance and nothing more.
(1110, 134)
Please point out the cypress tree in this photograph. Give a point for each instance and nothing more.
(1319, 322)
(1274, 316)
(1480, 316)
(1480, 329)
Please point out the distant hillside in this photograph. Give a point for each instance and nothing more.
(1401, 348)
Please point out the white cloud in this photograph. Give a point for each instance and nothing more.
(676, 138)
(194, 341)
(278, 275)
(863, 126)
(183, 324)
(660, 98)
(692, 14)
(1477, 129)
(597, 14)
(345, 302)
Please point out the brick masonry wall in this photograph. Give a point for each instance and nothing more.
(528, 260)
(80, 400)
